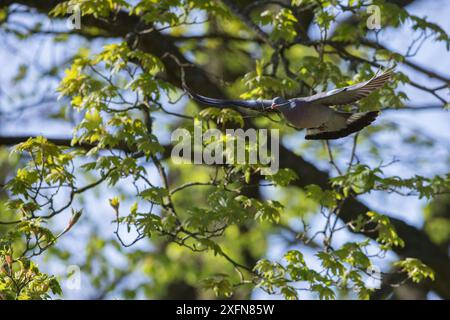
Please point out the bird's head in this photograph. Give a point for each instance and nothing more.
(280, 103)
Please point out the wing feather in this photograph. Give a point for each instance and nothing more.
(351, 93)
(341, 124)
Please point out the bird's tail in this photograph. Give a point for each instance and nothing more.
(343, 125)
(224, 103)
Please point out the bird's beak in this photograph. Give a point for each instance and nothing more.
(273, 106)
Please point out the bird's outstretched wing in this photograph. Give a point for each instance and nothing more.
(251, 104)
(341, 124)
(350, 94)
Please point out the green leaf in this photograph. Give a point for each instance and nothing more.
(283, 177)
(154, 194)
(416, 269)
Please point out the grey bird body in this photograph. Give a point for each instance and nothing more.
(314, 113)
(323, 122)
(307, 115)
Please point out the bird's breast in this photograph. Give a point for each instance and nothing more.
(307, 115)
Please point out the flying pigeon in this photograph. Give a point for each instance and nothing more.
(314, 113)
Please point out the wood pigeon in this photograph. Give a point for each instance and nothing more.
(314, 113)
